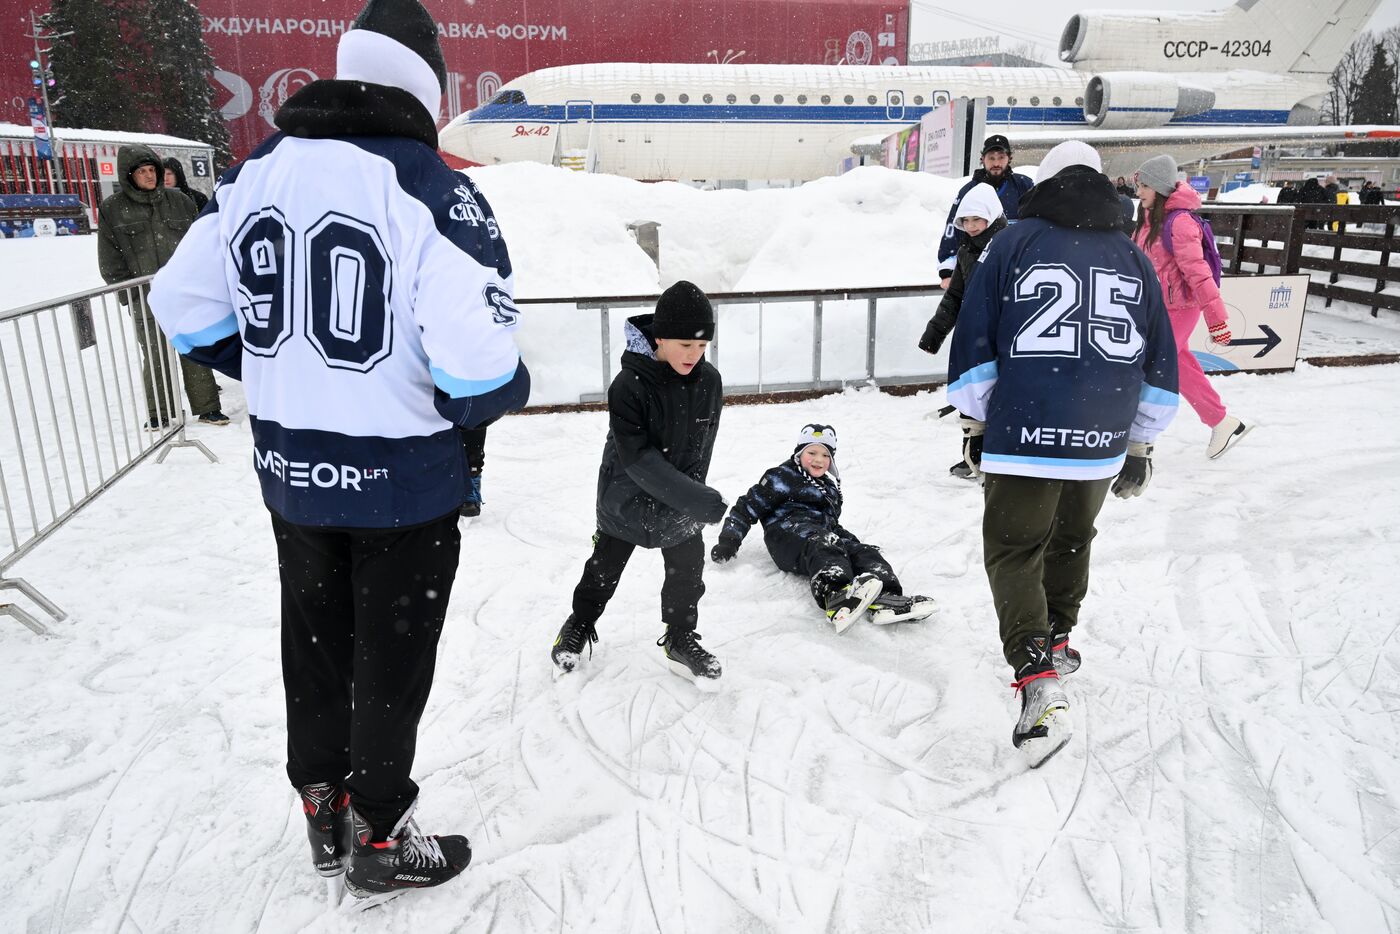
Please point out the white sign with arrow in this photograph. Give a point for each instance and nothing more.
(1266, 324)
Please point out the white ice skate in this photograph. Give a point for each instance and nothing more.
(888, 608)
(1044, 726)
(1226, 435)
(846, 608)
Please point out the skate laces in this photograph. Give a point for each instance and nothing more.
(420, 850)
(579, 634)
(687, 641)
(1020, 685)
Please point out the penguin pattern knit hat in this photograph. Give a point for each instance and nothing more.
(395, 43)
(817, 434)
(684, 313)
(1159, 174)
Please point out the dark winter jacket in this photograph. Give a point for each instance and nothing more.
(137, 231)
(943, 320)
(1011, 189)
(661, 433)
(788, 502)
(182, 184)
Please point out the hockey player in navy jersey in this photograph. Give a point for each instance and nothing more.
(1064, 369)
(361, 290)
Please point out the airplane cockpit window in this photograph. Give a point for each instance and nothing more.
(509, 97)
(849, 99)
(636, 98)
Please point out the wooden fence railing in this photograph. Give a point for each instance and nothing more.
(1278, 238)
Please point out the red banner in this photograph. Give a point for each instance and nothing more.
(264, 53)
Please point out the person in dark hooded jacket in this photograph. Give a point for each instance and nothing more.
(663, 415)
(1010, 187)
(798, 503)
(175, 178)
(138, 229)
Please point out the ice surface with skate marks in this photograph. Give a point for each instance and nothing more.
(1232, 767)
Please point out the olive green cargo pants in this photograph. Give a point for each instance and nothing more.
(1036, 535)
(200, 388)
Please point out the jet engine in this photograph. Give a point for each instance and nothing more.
(1131, 100)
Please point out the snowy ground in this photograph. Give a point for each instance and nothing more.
(1233, 768)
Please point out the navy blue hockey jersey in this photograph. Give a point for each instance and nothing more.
(1063, 347)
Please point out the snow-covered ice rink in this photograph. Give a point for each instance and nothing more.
(1234, 766)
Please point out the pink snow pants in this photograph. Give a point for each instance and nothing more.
(1191, 378)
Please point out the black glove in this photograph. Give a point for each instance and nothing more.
(724, 549)
(714, 510)
(1136, 472)
(933, 338)
(973, 431)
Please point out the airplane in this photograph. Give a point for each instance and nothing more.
(1194, 84)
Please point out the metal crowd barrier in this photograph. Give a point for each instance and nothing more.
(75, 383)
(795, 354)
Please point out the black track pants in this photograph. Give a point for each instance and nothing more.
(680, 592)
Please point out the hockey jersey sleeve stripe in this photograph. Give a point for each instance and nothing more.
(206, 337)
(971, 391)
(1156, 396)
(1052, 468)
(464, 388)
(1156, 409)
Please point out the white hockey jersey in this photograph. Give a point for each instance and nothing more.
(361, 290)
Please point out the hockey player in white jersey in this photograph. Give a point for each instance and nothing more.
(361, 290)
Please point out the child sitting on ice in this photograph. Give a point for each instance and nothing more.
(798, 503)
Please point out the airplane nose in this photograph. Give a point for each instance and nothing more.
(456, 138)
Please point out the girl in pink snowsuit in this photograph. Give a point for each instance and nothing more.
(1188, 287)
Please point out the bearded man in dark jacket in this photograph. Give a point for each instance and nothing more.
(995, 171)
(138, 229)
(663, 415)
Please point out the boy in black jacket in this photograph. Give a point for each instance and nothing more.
(663, 414)
(798, 503)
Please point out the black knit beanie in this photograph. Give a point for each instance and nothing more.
(684, 313)
(409, 24)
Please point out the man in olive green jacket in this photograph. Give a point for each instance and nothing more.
(138, 229)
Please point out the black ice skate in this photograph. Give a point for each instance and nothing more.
(889, 608)
(1066, 659)
(407, 860)
(568, 645)
(962, 471)
(1044, 726)
(327, 809)
(846, 607)
(687, 658)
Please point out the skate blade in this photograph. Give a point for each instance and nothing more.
(1233, 440)
(916, 615)
(356, 904)
(1058, 731)
(706, 685)
(335, 889)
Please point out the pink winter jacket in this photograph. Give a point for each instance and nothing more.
(1187, 283)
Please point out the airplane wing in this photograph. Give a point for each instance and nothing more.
(1124, 150)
